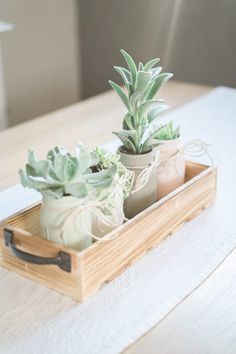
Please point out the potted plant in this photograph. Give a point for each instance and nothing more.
(69, 187)
(116, 194)
(138, 151)
(171, 172)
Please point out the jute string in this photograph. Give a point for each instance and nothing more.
(194, 148)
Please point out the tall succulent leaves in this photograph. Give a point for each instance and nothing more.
(120, 92)
(142, 80)
(160, 81)
(125, 74)
(150, 64)
(135, 101)
(142, 85)
(128, 122)
(131, 65)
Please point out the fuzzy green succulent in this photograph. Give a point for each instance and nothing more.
(107, 160)
(167, 132)
(142, 83)
(64, 174)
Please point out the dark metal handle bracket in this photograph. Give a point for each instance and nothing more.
(62, 260)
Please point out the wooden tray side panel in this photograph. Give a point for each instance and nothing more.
(193, 169)
(27, 220)
(49, 275)
(105, 260)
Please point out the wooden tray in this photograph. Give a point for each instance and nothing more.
(80, 274)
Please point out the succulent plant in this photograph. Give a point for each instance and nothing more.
(64, 174)
(142, 84)
(107, 160)
(167, 132)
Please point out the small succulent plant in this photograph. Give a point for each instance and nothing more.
(107, 160)
(142, 84)
(63, 174)
(167, 132)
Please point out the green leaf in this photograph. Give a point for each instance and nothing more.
(77, 189)
(60, 163)
(160, 81)
(85, 158)
(131, 65)
(152, 106)
(140, 66)
(156, 111)
(167, 132)
(135, 101)
(32, 161)
(142, 80)
(43, 168)
(128, 122)
(156, 72)
(150, 64)
(125, 76)
(120, 92)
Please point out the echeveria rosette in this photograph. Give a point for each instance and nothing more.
(125, 176)
(167, 132)
(142, 83)
(64, 174)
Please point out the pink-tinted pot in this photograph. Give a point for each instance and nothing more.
(171, 172)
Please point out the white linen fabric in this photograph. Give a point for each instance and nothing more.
(34, 319)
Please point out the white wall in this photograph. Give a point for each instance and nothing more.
(40, 56)
(195, 39)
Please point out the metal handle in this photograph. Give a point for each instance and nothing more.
(62, 260)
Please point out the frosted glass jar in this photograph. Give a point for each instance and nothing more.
(63, 221)
(146, 196)
(171, 173)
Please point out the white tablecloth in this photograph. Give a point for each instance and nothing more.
(34, 319)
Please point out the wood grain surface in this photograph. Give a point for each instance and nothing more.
(111, 255)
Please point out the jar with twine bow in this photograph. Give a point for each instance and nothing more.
(138, 154)
(114, 196)
(171, 172)
(70, 192)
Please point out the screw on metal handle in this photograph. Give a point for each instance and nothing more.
(62, 260)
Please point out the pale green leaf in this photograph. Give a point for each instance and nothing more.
(150, 64)
(131, 65)
(160, 81)
(120, 92)
(142, 80)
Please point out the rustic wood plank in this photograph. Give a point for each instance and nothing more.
(49, 275)
(103, 261)
(109, 256)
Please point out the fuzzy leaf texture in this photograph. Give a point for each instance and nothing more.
(63, 174)
(142, 84)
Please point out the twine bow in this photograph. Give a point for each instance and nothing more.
(193, 148)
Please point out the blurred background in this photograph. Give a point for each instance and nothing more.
(60, 52)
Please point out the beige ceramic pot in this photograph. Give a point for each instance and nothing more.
(63, 221)
(146, 196)
(171, 172)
